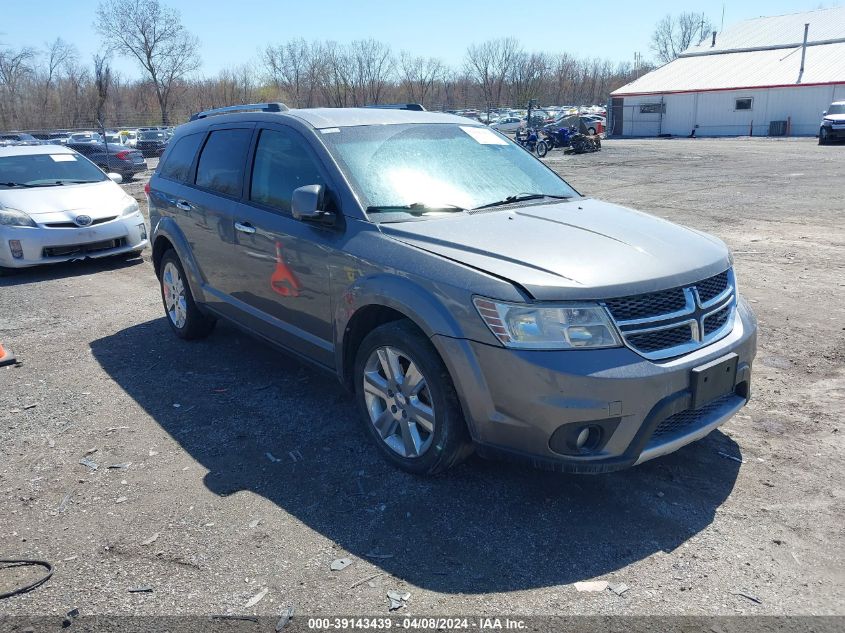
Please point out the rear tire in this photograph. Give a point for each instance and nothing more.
(409, 405)
(185, 318)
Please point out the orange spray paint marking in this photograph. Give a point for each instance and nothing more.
(283, 281)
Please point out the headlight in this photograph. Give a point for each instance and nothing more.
(561, 326)
(827, 121)
(13, 217)
(131, 208)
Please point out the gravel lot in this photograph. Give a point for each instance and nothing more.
(247, 470)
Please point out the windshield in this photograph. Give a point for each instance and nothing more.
(43, 170)
(87, 137)
(439, 166)
(837, 108)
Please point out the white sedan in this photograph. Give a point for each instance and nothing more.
(508, 124)
(56, 206)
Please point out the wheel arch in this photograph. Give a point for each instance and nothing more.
(167, 236)
(380, 299)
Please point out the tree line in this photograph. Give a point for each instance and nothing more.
(52, 87)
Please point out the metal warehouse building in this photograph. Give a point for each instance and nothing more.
(775, 73)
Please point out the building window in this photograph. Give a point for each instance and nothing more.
(652, 108)
(744, 104)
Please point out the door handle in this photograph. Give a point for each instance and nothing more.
(245, 227)
(181, 204)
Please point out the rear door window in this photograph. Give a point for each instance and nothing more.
(178, 164)
(221, 163)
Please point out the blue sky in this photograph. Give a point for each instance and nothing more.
(232, 32)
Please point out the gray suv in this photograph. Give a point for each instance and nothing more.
(466, 294)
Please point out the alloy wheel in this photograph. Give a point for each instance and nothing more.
(399, 402)
(173, 288)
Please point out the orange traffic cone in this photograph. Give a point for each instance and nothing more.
(6, 357)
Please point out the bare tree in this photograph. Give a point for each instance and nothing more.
(672, 36)
(58, 54)
(15, 68)
(154, 36)
(294, 68)
(372, 66)
(419, 75)
(102, 82)
(336, 79)
(527, 76)
(490, 64)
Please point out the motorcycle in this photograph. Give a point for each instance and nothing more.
(560, 138)
(583, 143)
(527, 138)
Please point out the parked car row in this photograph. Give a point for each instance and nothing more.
(150, 141)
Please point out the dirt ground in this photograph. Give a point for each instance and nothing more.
(226, 468)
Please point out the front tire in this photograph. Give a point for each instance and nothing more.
(542, 149)
(823, 136)
(407, 400)
(185, 318)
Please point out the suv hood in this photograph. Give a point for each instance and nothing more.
(838, 118)
(582, 249)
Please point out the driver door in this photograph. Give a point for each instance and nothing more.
(283, 263)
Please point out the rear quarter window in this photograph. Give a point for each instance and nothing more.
(178, 164)
(221, 164)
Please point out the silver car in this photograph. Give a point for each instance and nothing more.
(465, 294)
(56, 206)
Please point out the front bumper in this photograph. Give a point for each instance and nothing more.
(516, 400)
(835, 132)
(40, 245)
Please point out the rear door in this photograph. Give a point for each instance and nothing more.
(282, 264)
(201, 183)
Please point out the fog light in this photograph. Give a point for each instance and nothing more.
(588, 438)
(142, 228)
(582, 438)
(15, 247)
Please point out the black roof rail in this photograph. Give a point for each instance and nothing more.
(247, 107)
(417, 107)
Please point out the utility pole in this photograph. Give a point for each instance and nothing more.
(531, 104)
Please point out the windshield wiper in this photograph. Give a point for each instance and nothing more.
(16, 184)
(417, 208)
(521, 197)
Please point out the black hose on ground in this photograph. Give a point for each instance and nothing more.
(31, 586)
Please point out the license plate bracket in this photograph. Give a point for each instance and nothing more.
(716, 378)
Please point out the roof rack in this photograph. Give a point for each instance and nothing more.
(417, 107)
(248, 107)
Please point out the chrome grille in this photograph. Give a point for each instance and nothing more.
(711, 288)
(716, 320)
(677, 321)
(682, 421)
(661, 339)
(643, 306)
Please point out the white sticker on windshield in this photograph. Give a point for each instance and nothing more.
(63, 158)
(330, 130)
(483, 135)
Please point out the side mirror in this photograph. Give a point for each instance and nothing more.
(307, 204)
(115, 178)
(825, 112)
